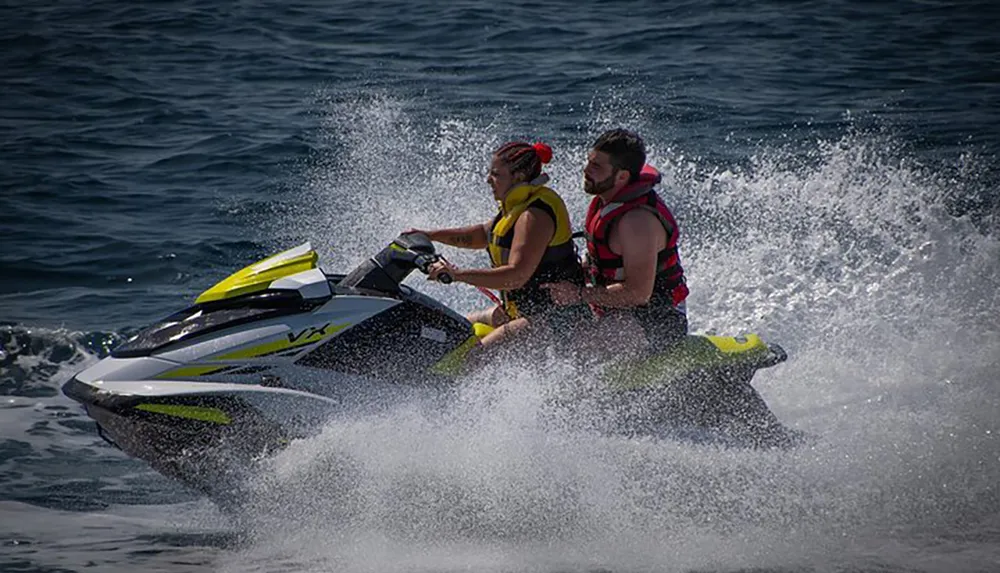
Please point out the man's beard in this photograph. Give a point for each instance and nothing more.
(591, 187)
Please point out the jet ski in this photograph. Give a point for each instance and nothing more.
(273, 351)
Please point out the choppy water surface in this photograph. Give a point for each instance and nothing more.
(833, 168)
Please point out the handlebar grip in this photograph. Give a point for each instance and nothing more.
(445, 278)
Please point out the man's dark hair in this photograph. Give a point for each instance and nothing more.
(625, 149)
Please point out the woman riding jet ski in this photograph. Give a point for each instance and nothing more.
(275, 350)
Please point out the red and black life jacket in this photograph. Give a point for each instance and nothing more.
(606, 267)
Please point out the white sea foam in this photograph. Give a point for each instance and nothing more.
(846, 256)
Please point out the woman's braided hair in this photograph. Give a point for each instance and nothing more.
(524, 158)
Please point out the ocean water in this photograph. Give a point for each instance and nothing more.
(833, 167)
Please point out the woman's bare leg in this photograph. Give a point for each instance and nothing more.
(503, 339)
(494, 316)
(505, 332)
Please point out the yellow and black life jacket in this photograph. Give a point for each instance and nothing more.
(559, 261)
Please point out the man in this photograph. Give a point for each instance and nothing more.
(632, 261)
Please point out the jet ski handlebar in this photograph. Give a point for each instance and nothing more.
(386, 270)
(424, 254)
(424, 262)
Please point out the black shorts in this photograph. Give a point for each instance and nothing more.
(562, 318)
(662, 323)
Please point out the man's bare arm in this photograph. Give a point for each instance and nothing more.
(638, 237)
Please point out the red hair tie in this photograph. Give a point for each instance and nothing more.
(544, 152)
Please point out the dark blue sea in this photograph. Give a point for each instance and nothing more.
(833, 167)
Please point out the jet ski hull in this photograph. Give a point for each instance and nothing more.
(717, 406)
(699, 390)
(207, 441)
(276, 350)
(210, 436)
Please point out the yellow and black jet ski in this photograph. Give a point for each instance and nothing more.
(274, 350)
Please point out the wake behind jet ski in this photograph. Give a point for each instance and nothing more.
(274, 351)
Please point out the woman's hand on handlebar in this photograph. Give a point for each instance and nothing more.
(441, 271)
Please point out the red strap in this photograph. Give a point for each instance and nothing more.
(489, 294)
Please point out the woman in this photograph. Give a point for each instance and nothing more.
(529, 242)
